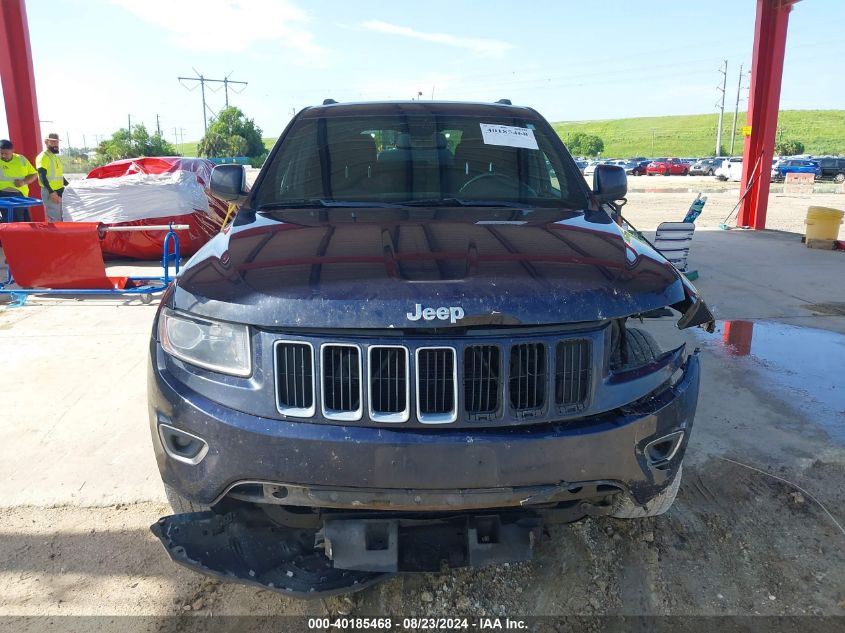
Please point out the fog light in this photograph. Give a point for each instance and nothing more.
(182, 446)
(661, 451)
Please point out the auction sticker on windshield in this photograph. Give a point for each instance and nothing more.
(494, 134)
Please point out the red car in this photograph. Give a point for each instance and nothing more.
(667, 167)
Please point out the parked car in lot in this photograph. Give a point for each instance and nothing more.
(667, 167)
(402, 355)
(634, 167)
(832, 168)
(705, 167)
(581, 165)
(795, 166)
(730, 169)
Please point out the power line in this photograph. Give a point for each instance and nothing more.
(204, 80)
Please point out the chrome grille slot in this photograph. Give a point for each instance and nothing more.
(482, 381)
(388, 384)
(341, 385)
(294, 378)
(527, 379)
(437, 382)
(572, 373)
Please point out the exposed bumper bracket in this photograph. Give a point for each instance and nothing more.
(392, 545)
(244, 546)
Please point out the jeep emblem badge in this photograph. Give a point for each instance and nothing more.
(452, 313)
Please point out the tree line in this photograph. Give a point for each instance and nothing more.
(230, 134)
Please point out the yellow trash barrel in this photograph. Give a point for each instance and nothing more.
(823, 223)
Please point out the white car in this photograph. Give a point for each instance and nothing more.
(730, 169)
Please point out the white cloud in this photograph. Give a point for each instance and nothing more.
(479, 46)
(230, 25)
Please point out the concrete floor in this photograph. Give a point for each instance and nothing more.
(73, 428)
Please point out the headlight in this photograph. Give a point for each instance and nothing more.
(214, 345)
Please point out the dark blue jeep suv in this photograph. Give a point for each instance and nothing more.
(413, 346)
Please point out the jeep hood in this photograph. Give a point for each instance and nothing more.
(379, 273)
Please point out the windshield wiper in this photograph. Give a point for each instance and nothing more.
(319, 203)
(460, 202)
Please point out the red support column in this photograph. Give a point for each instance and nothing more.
(763, 104)
(19, 87)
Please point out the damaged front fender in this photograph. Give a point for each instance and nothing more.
(694, 312)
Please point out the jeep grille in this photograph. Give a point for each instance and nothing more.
(436, 385)
(496, 382)
(295, 378)
(388, 384)
(341, 382)
(482, 381)
(528, 379)
(572, 373)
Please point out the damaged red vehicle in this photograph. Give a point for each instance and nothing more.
(143, 192)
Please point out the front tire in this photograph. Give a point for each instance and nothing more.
(839, 178)
(625, 508)
(180, 504)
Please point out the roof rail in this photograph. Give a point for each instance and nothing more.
(328, 101)
(504, 101)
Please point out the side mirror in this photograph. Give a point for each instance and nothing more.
(228, 182)
(609, 183)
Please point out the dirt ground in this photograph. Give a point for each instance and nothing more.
(737, 542)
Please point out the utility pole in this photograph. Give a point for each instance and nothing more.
(736, 110)
(721, 106)
(67, 136)
(204, 80)
(158, 125)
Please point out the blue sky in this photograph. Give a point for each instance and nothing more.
(97, 61)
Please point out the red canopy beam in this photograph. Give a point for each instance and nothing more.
(18, 83)
(763, 104)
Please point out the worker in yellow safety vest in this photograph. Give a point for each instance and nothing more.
(52, 178)
(16, 172)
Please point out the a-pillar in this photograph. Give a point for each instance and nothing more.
(763, 104)
(19, 87)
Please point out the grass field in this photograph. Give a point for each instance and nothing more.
(821, 131)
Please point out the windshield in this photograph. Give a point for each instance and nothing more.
(424, 158)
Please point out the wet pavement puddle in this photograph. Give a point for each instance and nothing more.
(804, 367)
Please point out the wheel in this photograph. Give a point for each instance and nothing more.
(625, 508)
(839, 178)
(146, 298)
(180, 504)
(667, 172)
(648, 173)
(686, 172)
(641, 350)
(710, 172)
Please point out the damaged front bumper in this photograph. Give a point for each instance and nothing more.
(485, 508)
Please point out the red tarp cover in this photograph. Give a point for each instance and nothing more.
(149, 245)
(56, 255)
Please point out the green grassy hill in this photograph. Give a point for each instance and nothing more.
(821, 132)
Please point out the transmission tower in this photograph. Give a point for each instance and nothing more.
(205, 80)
